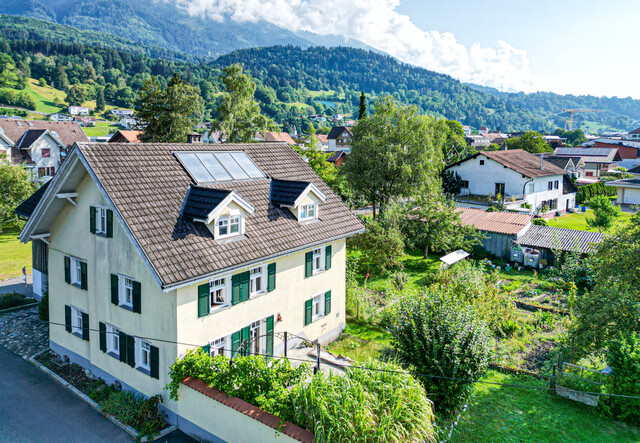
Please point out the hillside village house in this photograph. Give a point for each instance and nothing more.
(339, 139)
(519, 177)
(78, 110)
(628, 149)
(573, 165)
(596, 160)
(154, 249)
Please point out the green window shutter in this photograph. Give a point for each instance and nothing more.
(327, 261)
(327, 303)
(236, 338)
(114, 289)
(83, 275)
(137, 297)
(246, 346)
(67, 269)
(269, 338)
(103, 336)
(109, 223)
(92, 219)
(308, 306)
(131, 351)
(271, 279)
(154, 362)
(85, 326)
(67, 318)
(207, 349)
(235, 289)
(203, 300)
(123, 347)
(244, 286)
(308, 268)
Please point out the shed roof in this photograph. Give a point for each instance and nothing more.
(499, 222)
(550, 237)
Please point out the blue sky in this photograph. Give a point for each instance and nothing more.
(564, 46)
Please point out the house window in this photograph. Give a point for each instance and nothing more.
(465, 184)
(76, 321)
(228, 226)
(318, 306)
(308, 211)
(101, 220)
(46, 153)
(76, 272)
(555, 184)
(125, 291)
(481, 162)
(217, 293)
(255, 338)
(143, 354)
(550, 186)
(46, 172)
(113, 340)
(255, 281)
(318, 264)
(553, 204)
(218, 346)
(532, 188)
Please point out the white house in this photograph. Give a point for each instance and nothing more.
(61, 117)
(122, 112)
(238, 245)
(39, 150)
(518, 177)
(339, 139)
(628, 190)
(128, 123)
(78, 110)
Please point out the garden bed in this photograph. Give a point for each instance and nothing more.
(139, 417)
(13, 300)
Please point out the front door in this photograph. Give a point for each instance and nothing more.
(500, 189)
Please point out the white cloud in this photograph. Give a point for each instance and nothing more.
(377, 24)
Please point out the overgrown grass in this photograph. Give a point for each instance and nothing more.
(509, 414)
(360, 340)
(578, 220)
(13, 254)
(417, 268)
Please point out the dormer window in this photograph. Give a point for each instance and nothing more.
(308, 211)
(228, 226)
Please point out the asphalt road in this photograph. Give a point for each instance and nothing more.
(34, 408)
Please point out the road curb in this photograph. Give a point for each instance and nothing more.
(128, 429)
(19, 308)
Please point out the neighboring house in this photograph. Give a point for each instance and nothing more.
(61, 118)
(634, 134)
(38, 150)
(628, 190)
(339, 139)
(635, 171)
(212, 137)
(596, 160)
(477, 141)
(128, 122)
(85, 121)
(467, 130)
(183, 246)
(67, 132)
(123, 136)
(498, 228)
(518, 176)
(628, 149)
(78, 110)
(324, 141)
(554, 141)
(122, 112)
(573, 165)
(282, 137)
(337, 158)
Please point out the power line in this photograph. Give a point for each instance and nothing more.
(346, 367)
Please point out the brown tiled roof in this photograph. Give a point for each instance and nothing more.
(68, 132)
(21, 157)
(123, 136)
(524, 162)
(323, 138)
(278, 137)
(293, 431)
(499, 222)
(148, 185)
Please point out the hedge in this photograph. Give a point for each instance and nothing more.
(586, 193)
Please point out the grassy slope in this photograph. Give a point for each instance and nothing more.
(508, 414)
(100, 129)
(361, 341)
(578, 220)
(44, 95)
(13, 254)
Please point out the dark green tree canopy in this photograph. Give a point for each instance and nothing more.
(530, 141)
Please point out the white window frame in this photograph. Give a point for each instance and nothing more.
(113, 339)
(550, 186)
(229, 223)
(76, 321)
(255, 335)
(306, 208)
(318, 259)
(75, 271)
(125, 287)
(317, 302)
(220, 346)
(101, 220)
(143, 348)
(256, 274)
(532, 188)
(556, 184)
(219, 284)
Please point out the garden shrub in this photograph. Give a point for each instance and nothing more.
(13, 299)
(141, 414)
(623, 356)
(43, 307)
(577, 383)
(587, 192)
(373, 403)
(381, 245)
(439, 335)
(539, 222)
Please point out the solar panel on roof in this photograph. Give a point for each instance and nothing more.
(212, 167)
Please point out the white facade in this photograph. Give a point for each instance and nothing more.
(128, 123)
(61, 118)
(78, 110)
(483, 176)
(122, 112)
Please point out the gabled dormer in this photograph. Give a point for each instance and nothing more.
(223, 212)
(303, 199)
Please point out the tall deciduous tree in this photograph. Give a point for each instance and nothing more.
(362, 108)
(76, 95)
(530, 141)
(455, 147)
(15, 186)
(396, 152)
(239, 116)
(100, 103)
(166, 115)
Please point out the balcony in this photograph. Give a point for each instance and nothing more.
(514, 201)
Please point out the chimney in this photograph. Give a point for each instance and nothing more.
(541, 162)
(194, 138)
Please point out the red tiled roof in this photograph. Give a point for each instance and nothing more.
(278, 137)
(498, 222)
(125, 136)
(323, 138)
(293, 431)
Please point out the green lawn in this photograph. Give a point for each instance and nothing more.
(13, 254)
(578, 220)
(360, 341)
(100, 129)
(508, 414)
(415, 266)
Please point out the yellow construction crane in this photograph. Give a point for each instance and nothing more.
(571, 111)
